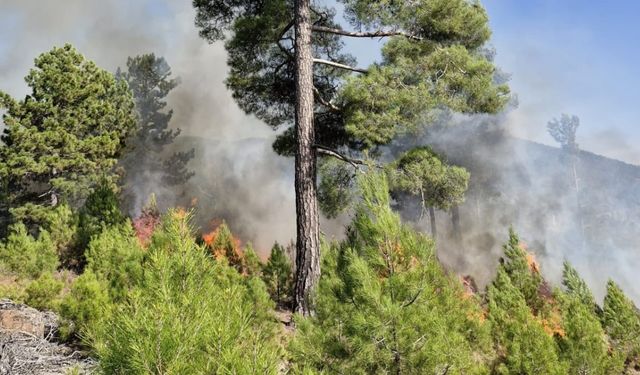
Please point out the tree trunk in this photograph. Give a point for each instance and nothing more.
(432, 218)
(308, 227)
(455, 222)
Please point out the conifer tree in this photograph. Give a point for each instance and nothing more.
(621, 322)
(576, 286)
(252, 263)
(190, 314)
(65, 136)
(522, 271)
(583, 344)
(422, 173)
(278, 277)
(386, 306)
(287, 67)
(521, 341)
(225, 245)
(149, 79)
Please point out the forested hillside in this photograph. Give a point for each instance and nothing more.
(448, 246)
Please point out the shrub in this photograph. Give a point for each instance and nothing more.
(61, 224)
(24, 255)
(86, 305)
(190, 314)
(584, 343)
(43, 293)
(101, 210)
(116, 255)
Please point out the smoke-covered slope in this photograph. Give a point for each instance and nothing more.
(587, 214)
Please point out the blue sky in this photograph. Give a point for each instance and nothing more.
(576, 57)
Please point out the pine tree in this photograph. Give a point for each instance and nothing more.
(66, 135)
(576, 286)
(385, 305)
(149, 78)
(522, 344)
(278, 277)
(621, 322)
(523, 272)
(287, 67)
(584, 344)
(252, 263)
(223, 244)
(190, 314)
(422, 173)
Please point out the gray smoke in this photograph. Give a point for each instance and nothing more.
(531, 186)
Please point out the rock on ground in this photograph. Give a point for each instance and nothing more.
(28, 346)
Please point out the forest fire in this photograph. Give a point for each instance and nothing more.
(146, 223)
(223, 244)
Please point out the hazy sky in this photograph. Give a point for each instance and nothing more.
(565, 56)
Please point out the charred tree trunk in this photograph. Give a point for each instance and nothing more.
(432, 218)
(455, 222)
(308, 227)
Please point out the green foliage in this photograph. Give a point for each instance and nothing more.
(100, 210)
(188, 315)
(522, 272)
(436, 63)
(252, 263)
(521, 342)
(43, 293)
(115, 255)
(460, 21)
(621, 321)
(385, 305)
(335, 191)
(422, 173)
(27, 256)
(85, 306)
(278, 277)
(65, 136)
(584, 344)
(576, 286)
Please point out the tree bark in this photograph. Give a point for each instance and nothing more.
(455, 222)
(308, 227)
(432, 218)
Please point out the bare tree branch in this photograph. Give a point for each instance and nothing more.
(324, 102)
(364, 34)
(356, 163)
(338, 65)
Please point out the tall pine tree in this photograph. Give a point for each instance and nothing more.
(147, 160)
(288, 69)
(65, 137)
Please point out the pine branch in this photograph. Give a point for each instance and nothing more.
(341, 66)
(364, 34)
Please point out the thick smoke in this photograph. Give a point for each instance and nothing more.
(240, 179)
(587, 217)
